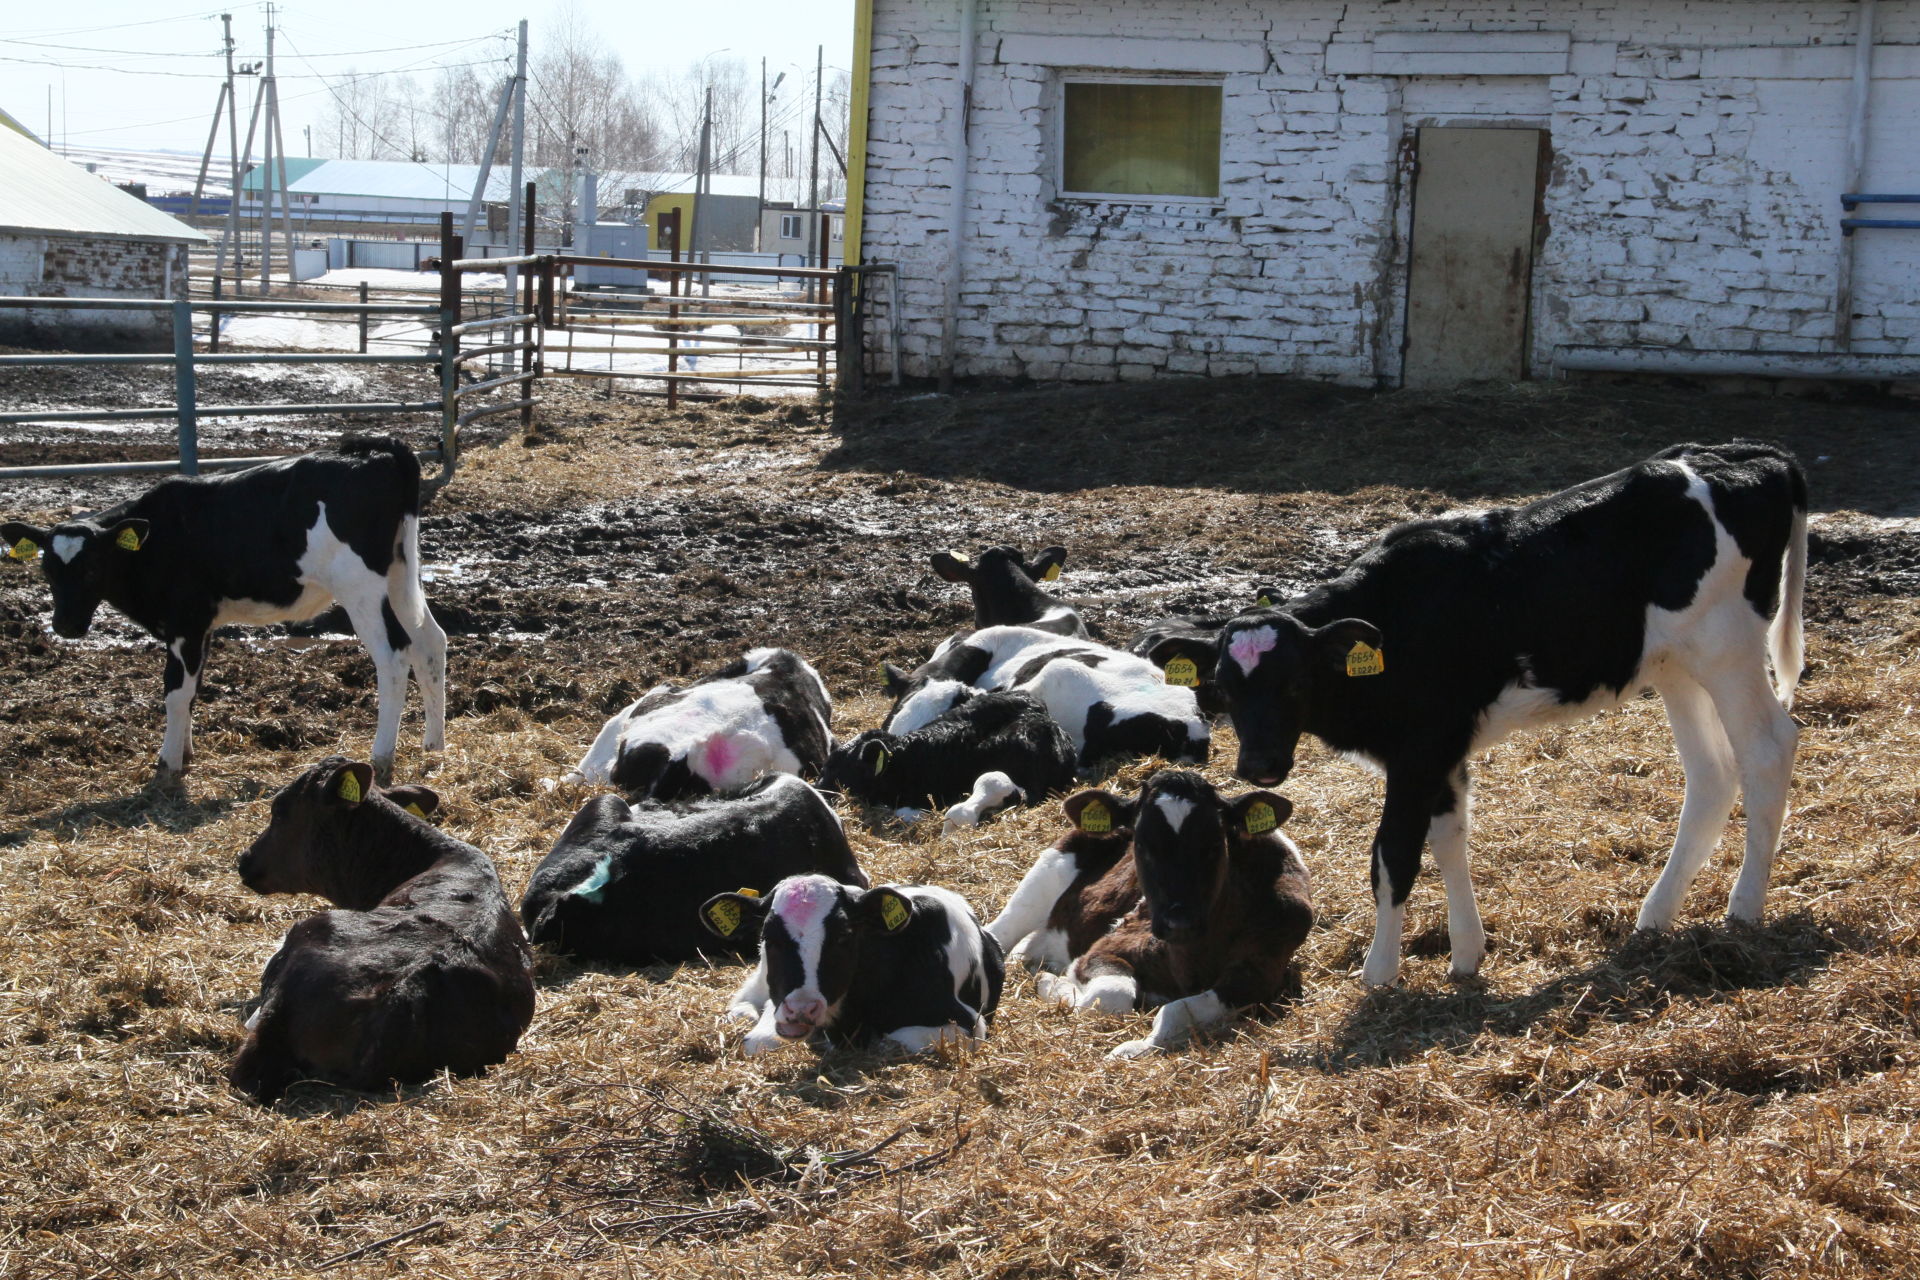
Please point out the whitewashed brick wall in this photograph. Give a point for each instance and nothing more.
(1693, 200)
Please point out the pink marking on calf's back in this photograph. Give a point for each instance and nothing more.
(1247, 646)
(802, 901)
(718, 755)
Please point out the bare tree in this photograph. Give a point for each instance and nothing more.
(581, 98)
(360, 120)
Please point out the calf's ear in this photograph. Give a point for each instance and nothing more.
(1046, 565)
(951, 565)
(1268, 597)
(894, 678)
(1339, 644)
(348, 783)
(1258, 812)
(886, 908)
(1184, 660)
(733, 916)
(874, 755)
(23, 541)
(128, 535)
(414, 798)
(1097, 813)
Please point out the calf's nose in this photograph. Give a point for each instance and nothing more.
(800, 1016)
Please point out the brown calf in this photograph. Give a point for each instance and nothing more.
(1178, 899)
(424, 968)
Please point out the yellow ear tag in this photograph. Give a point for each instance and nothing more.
(961, 556)
(893, 913)
(350, 787)
(1260, 818)
(1183, 672)
(1265, 602)
(1365, 660)
(413, 807)
(880, 763)
(1096, 819)
(724, 916)
(748, 893)
(25, 549)
(1053, 571)
(128, 540)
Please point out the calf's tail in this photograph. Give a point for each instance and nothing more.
(1786, 638)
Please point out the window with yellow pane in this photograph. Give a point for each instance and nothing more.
(1140, 138)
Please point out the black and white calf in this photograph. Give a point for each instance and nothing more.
(625, 882)
(1179, 900)
(1683, 573)
(766, 712)
(939, 763)
(905, 963)
(1004, 592)
(1109, 702)
(274, 543)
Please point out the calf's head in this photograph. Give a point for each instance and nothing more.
(1184, 833)
(316, 839)
(854, 769)
(812, 933)
(86, 561)
(1269, 667)
(996, 564)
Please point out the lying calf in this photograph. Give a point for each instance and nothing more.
(424, 968)
(1200, 916)
(625, 882)
(765, 712)
(904, 963)
(938, 763)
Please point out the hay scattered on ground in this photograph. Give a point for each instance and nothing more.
(1716, 1102)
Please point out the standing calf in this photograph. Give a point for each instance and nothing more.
(1179, 899)
(905, 963)
(423, 968)
(274, 543)
(1683, 573)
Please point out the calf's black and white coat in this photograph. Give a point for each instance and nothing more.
(941, 762)
(625, 882)
(1005, 589)
(908, 964)
(766, 712)
(1109, 702)
(1683, 573)
(274, 543)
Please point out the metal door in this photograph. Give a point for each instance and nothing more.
(1474, 197)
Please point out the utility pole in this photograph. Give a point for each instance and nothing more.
(760, 214)
(516, 238)
(309, 129)
(232, 233)
(225, 100)
(700, 184)
(813, 177)
(280, 147)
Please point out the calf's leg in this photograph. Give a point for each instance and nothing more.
(1707, 759)
(1763, 737)
(1447, 837)
(366, 606)
(1404, 820)
(181, 680)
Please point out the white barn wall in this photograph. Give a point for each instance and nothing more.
(1692, 201)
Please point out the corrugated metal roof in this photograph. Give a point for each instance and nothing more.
(40, 192)
(425, 180)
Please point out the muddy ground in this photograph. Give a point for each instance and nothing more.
(637, 544)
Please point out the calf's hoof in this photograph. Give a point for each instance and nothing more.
(167, 780)
(755, 1043)
(1134, 1049)
(382, 771)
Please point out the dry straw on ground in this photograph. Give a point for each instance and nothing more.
(1714, 1103)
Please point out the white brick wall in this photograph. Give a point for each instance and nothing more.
(1693, 200)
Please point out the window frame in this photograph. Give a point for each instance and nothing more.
(799, 227)
(1066, 78)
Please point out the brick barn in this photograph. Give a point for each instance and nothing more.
(1392, 192)
(66, 233)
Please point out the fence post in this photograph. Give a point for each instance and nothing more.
(450, 246)
(849, 328)
(183, 387)
(363, 317)
(672, 231)
(527, 355)
(213, 318)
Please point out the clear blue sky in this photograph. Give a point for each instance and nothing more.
(144, 74)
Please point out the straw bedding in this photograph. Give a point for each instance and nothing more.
(1716, 1102)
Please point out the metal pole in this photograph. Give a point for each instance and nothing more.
(280, 138)
(206, 156)
(479, 191)
(760, 214)
(813, 174)
(515, 176)
(266, 172)
(213, 318)
(529, 353)
(363, 316)
(233, 209)
(183, 397)
(1855, 172)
